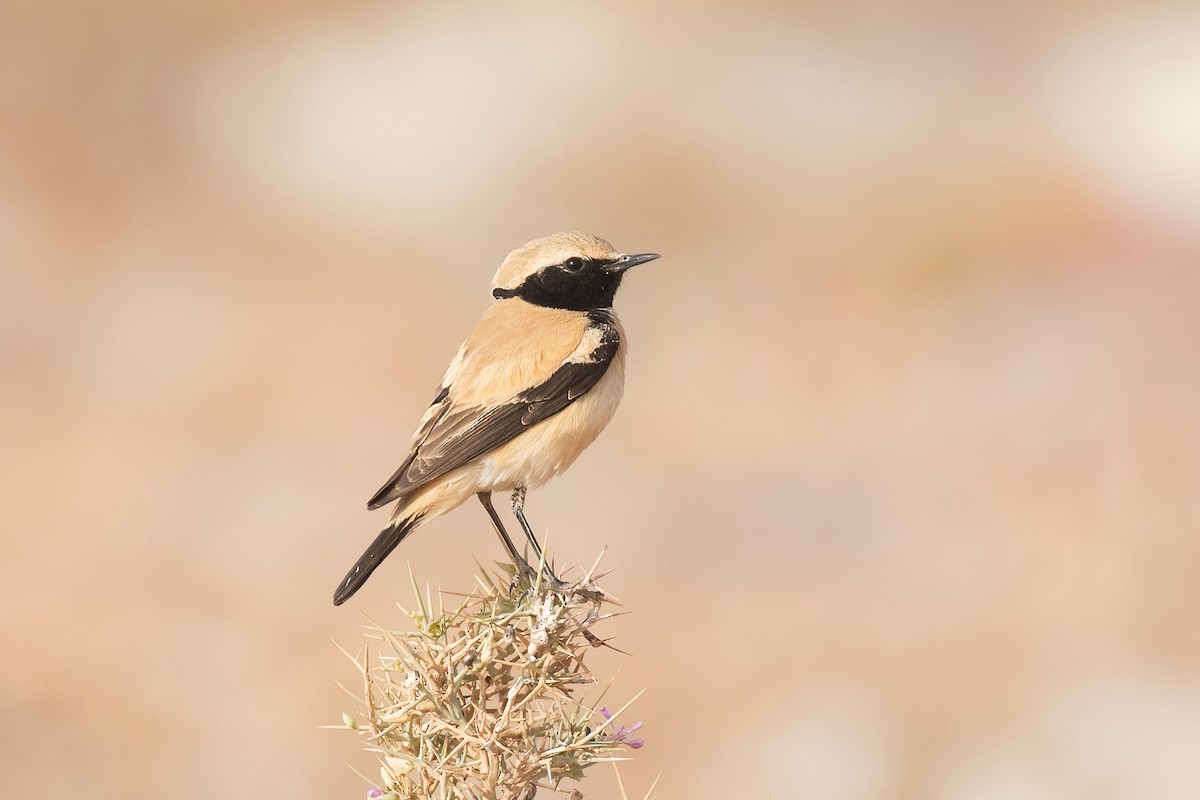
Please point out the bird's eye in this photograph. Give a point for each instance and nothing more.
(573, 264)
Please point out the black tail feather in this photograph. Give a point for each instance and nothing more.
(384, 543)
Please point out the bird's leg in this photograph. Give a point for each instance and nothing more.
(519, 560)
(518, 508)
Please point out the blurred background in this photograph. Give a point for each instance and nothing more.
(903, 495)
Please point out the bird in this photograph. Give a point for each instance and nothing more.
(533, 384)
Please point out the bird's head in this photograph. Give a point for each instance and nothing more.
(575, 271)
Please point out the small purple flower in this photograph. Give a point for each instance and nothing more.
(622, 733)
(371, 795)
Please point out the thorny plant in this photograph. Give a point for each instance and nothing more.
(479, 702)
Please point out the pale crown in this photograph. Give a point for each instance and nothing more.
(547, 251)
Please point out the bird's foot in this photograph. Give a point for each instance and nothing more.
(528, 576)
(582, 588)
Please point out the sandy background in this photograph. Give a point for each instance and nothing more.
(905, 490)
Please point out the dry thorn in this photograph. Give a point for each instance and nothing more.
(478, 702)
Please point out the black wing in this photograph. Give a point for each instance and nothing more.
(453, 436)
(433, 415)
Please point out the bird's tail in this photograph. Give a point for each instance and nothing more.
(384, 543)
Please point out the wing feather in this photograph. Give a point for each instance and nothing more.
(433, 415)
(452, 436)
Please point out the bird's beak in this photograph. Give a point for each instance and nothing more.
(625, 262)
